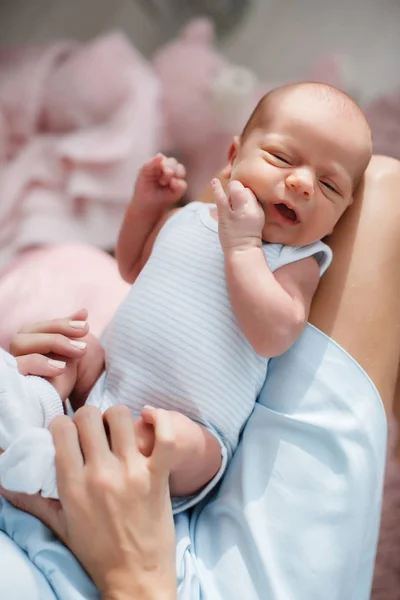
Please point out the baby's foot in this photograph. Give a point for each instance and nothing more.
(160, 183)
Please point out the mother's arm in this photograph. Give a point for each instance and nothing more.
(358, 301)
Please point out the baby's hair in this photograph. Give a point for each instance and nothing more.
(340, 101)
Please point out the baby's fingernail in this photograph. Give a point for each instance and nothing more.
(80, 345)
(149, 407)
(57, 364)
(214, 182)
(77, 324)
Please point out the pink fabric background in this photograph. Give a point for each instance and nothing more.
(55, 281)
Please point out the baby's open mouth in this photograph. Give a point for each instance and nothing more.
(286, 212)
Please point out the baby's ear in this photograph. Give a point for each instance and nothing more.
(232, 154)
(233, 149)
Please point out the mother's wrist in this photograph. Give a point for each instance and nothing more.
(134, 594)
(155, 589)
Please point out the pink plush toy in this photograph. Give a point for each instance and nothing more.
(206, 100)
(188, 101)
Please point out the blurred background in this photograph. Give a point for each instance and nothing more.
(90, 89)
(278, 39)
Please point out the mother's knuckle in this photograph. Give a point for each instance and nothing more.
(117, 411)
(85, 413)
(102, 479)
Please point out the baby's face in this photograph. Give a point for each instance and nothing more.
(302, 168)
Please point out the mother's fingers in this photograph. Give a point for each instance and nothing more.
(68, 459)
(37, 364)
(92, 435)
(46, 343)
(121, 431)
(74, 325)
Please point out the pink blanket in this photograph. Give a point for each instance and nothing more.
(55, 281)
(76, 122)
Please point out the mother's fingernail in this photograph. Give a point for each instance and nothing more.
(80, 345)
(57, 364)
(77, 324)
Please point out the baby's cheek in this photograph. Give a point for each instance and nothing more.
(325, 221)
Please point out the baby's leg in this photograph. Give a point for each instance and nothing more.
(197, 452)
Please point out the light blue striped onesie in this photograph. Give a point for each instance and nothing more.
(175, 342)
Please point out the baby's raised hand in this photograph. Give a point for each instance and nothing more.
(160, 183)
(240, 216)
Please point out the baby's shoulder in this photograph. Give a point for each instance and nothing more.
(280, 255)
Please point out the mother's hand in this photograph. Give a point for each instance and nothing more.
(115, 511)
(48, 349)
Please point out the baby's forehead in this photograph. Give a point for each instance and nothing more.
(310, 110)
(333, 135)
(310, 102)
(333, 121)
(319, 113)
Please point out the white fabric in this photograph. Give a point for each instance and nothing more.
(25, 402)
(27, 406)
(28, 464)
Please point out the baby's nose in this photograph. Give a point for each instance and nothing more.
(301, 182)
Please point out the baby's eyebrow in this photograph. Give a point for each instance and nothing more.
(336, 170)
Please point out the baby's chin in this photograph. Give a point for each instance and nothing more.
(288, 237)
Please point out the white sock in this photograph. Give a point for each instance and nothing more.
(28, 464)
(25, 402)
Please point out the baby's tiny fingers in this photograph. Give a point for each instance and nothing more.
(178, 186)
(239, 195)
(165, 442)
(180, 171)
(148, 414)
(153, 167)
(220, 197)
(169, 165)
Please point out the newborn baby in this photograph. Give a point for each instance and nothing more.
(217, 289)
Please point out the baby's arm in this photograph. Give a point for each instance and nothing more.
(197, 452)
(271, 308)
(159, 185)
